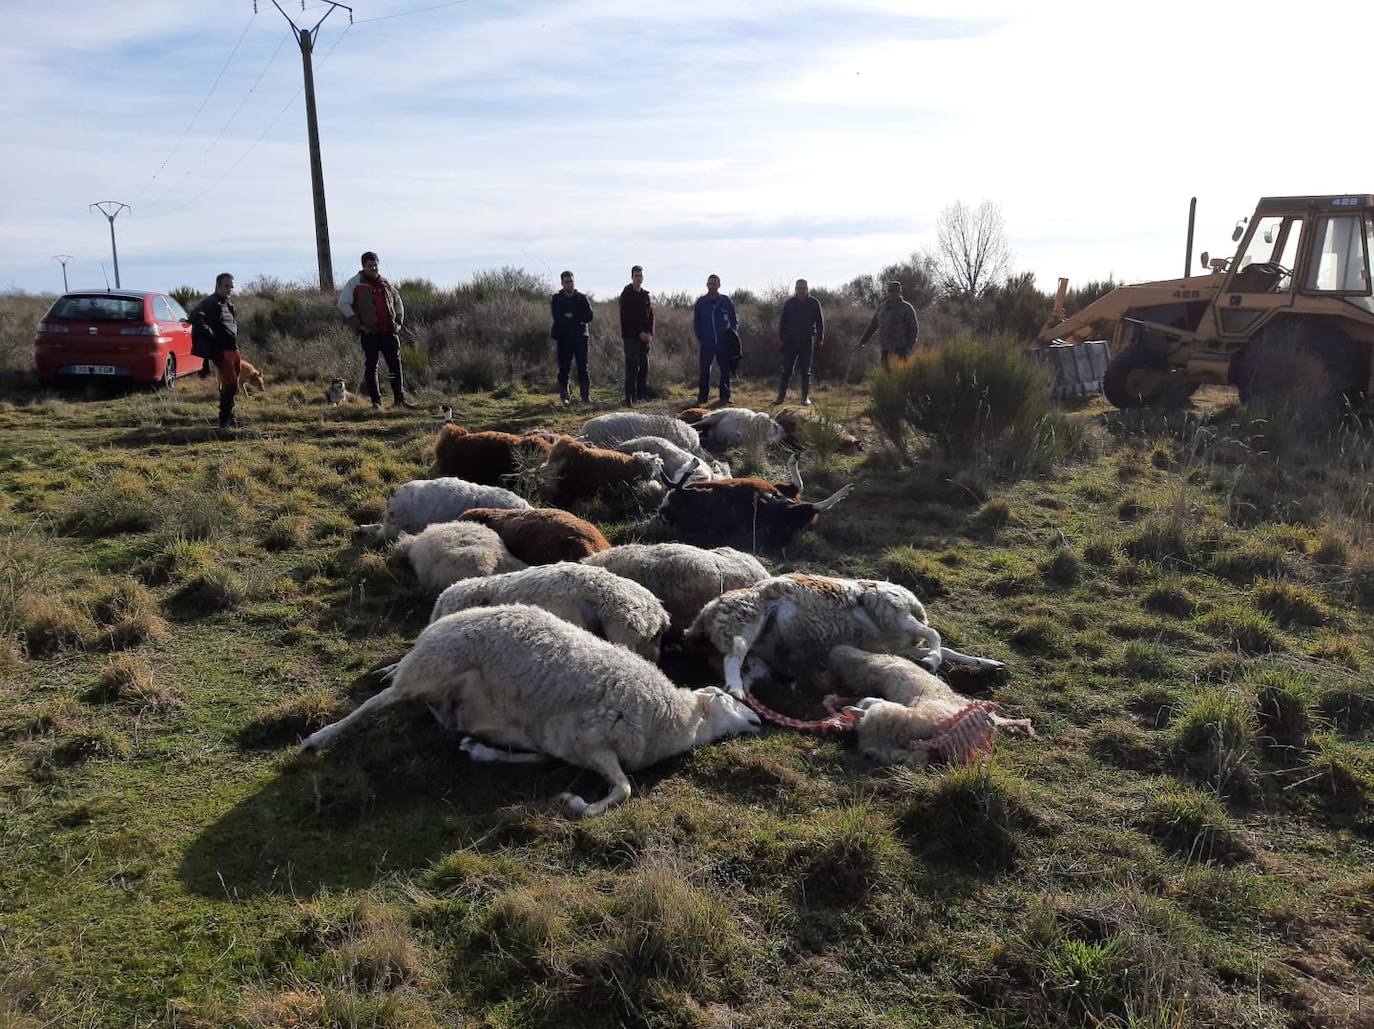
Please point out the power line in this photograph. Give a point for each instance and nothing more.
(206, 152)
(263, 135)
(213, 85)
(403, 14)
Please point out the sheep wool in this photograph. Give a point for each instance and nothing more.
(610, 430)
(445, 553)
(516, 676)
(424, 502)
(685, 578)
(594, 599)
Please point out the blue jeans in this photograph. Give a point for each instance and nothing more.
(713, 352)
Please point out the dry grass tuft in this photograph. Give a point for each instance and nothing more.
(128, 679)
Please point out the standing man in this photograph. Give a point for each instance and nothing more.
(215, 337)
(373, 308)
(637, 332)
(801, 328)
(572, 313)
(895, 324)
(712, 318)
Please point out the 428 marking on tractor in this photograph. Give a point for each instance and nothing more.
(1187, 294)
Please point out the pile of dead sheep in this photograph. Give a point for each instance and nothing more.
(544, 640)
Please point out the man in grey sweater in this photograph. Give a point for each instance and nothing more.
(895, 323)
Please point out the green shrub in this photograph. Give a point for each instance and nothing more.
(1214, 739)
(209, 591)
(966, 396)
(1289, 603)
(915, 569)
(973, 816)
(1283, 704)
(1193, 825)
(1243, 628)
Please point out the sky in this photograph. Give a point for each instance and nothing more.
(762, 141)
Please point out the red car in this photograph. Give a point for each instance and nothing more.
(126, 334)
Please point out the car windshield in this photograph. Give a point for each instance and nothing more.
(98, 308)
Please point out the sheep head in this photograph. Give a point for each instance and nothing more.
(722, 715)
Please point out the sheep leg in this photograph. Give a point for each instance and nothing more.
(608, 764)
(739, 649)
(479, 751)
(983, 664)
(325, 736)
(1016, 726)
(923, 633)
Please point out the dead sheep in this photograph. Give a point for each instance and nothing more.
(576, 472)
(685, 578)
(442, 554)
(424, 502)
(610, 430)
(676, 461)
(908, 712)
(591, 598)
(729, 426)
(787, 626)
(521, 678)
(541, 535)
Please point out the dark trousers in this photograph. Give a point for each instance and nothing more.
(713, 352)
(387, 345)
(569, 350)
(797, 354)
(636, 370)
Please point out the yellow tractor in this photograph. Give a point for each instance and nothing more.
(1288, 320)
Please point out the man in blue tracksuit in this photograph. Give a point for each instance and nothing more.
(712, 318)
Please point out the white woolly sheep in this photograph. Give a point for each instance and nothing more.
(424, 502)
(789, 624)
(676, 461)
(683, 577)
(610, 430)
(445, 553)
(523, 678)
(594, 599)
(904, 704)
(728, 426)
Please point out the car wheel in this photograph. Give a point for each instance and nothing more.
(1308, 371)
(1140, 376)
(169, 372)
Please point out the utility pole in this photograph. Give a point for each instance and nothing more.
(62, 259)
(111, 215)
(306, 38)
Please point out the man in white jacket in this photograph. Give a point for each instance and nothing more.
(373, 308)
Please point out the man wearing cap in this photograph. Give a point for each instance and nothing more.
(895, 323)
(801, 328)
(373, 309)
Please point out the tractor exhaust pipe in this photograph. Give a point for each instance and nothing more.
(1188, 256)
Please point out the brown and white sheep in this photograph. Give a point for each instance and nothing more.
(487, 457)
(576, 471)
(541, 536)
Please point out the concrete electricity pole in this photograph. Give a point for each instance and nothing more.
(62, 259)
(306, 39)
(111, 215)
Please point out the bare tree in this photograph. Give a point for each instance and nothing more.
(973, 247)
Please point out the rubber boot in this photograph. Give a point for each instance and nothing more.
(226, 407)
(806, 391)
(398, 390)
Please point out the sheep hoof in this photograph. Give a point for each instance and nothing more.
(575, 804)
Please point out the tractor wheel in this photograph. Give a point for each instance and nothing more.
(1307, 370)
(1141, 377)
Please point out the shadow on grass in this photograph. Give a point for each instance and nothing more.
(389, 797)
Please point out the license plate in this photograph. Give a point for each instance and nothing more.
(94, 369)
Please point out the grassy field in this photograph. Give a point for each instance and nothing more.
(1185, 608)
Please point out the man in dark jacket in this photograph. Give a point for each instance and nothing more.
(215, 337)
(637, 332)
(801, 329)
(713, 318)
(572, 313)
(373, 308)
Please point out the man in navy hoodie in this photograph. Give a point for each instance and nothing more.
(713, 318)
(572, 313)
